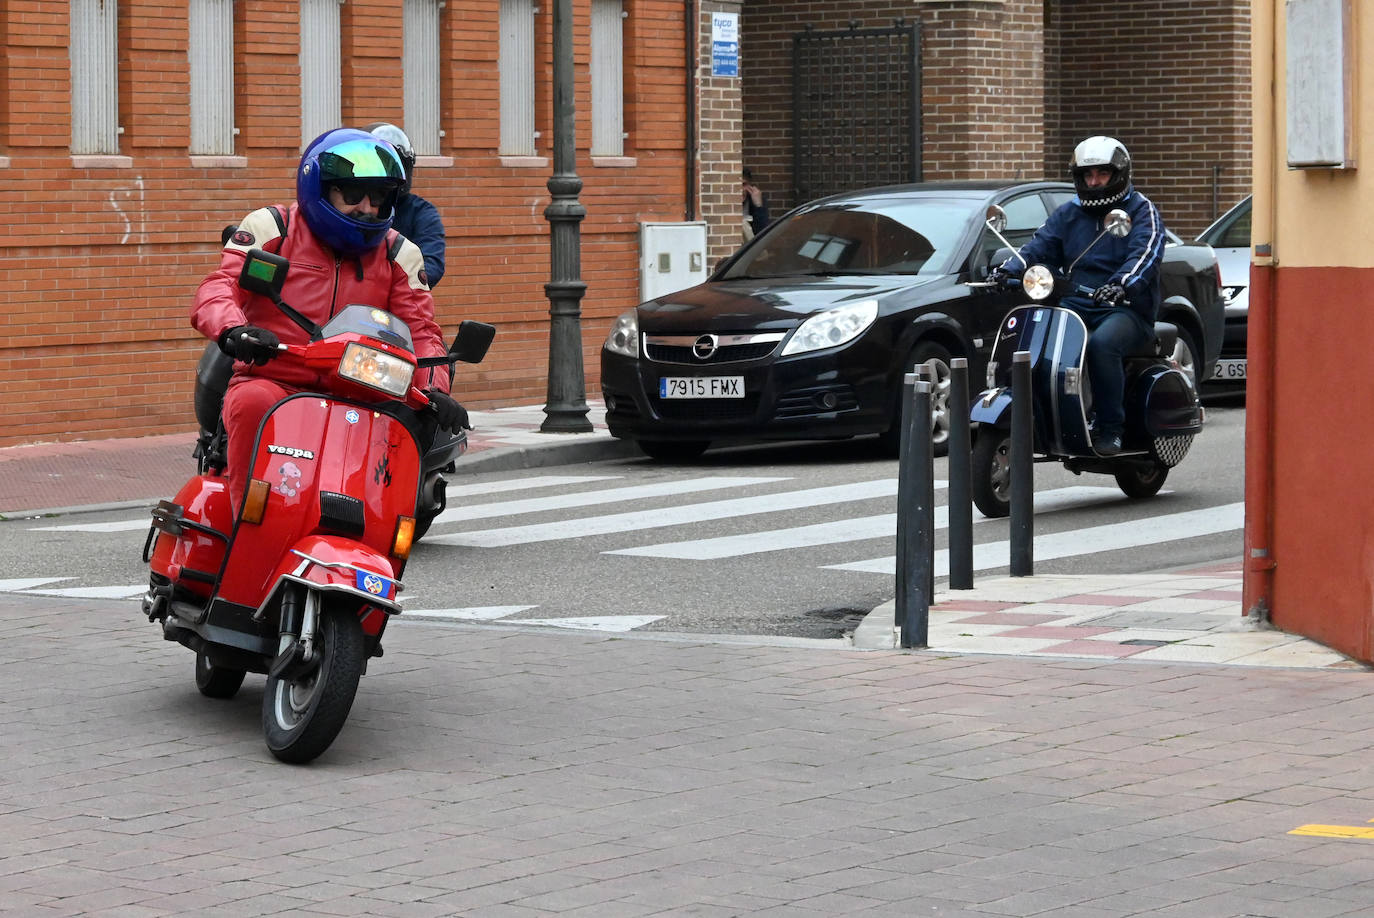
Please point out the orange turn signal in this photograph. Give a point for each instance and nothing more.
(255, 504)
(405, 536)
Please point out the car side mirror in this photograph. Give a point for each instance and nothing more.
(473, 340)
(263, 273)
(1118, 223)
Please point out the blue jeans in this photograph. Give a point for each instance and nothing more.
(1112, 335)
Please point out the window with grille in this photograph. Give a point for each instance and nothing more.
(420, 65)
(608, 78)
(95, 76)
(516, 70)
(321, 71)
(210, 53)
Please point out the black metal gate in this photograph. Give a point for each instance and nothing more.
(856, 109)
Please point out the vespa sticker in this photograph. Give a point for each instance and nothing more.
(382, 473)
(1011, 322)
(381, 318)
(293, 452)
(375, 584)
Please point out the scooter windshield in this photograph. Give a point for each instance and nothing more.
(370, 321)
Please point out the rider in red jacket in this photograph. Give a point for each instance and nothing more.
(342, 250)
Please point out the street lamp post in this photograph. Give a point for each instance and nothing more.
(565, 409)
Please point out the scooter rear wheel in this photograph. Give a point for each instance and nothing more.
(216, 681)
(302, 716)
(1139, 480)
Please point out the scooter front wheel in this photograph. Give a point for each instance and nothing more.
(1140, 480)
(301, 715)
(991, 481)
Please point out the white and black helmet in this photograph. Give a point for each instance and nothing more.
(1096, 153)
(398, 139)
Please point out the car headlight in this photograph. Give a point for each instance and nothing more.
(624, 336)
(832, 327)
(376, 369)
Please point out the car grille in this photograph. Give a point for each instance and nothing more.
(733, 409)
(803, 402)
(720, 348)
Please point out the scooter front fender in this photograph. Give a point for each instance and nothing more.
(992, 407)
(343, 567)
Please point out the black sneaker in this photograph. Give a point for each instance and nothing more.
(1107, 444)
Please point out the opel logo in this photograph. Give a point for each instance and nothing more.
(704, 347)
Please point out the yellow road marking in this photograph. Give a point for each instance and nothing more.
(1335, 831)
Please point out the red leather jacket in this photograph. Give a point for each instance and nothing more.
(317, 286)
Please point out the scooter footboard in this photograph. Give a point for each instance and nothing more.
(345, 568)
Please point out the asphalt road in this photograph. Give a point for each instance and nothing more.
(789, 539)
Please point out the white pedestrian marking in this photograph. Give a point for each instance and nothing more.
(520, 484)
(94, 592)
(1093, 540)
(470, 614)
(670, 516)
(591, 498)
(597, 623)
(28, 583)
(851, 530)
(116, 526)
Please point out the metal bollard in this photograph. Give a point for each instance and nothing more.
(916, 516)
(1022, 460)
(903, 492)
(960, 479)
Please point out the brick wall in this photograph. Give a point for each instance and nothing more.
(1171, 80)
(98, 263)
(719, 142)
(1009, 87)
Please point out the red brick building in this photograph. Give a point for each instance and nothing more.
(127, 151)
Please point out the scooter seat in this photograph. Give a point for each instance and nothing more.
(1166, 336)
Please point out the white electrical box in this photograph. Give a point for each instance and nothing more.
(672, 257)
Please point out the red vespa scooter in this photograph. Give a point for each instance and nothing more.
(301, 585)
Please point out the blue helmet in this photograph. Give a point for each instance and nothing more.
(349, 157)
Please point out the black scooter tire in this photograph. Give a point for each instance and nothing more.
(302, 717)
(991, 480)
(1139, 481)
(217, 681)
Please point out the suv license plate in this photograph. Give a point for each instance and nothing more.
(701, 387)
(1229, 369)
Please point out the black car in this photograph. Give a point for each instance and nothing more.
(806, 332)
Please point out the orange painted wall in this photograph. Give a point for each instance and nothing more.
(1323, 448)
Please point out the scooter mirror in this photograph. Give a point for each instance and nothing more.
(997, 218)
(1118, 223)
(263, 273)
(472, 341)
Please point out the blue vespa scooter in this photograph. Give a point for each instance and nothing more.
(1163, 413)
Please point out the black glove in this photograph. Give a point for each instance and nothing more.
(250, 344)
(452, 416)
(1109, 296)
(1003, 279)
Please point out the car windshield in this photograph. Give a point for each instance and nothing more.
(878, 236)
(1232, 231)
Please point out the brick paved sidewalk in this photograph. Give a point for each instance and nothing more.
(491, 771)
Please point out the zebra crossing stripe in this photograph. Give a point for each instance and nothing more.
(470, 614)
(591, 498)
(521, 484)
(1170, 527)
(669, 516)
(850, 530)
(94, 592)
(117, 526)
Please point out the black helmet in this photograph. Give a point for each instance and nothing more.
(1096, 153)
(398, 139)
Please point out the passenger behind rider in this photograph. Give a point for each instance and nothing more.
(1122, 272)
(342, 249)
(416, 218)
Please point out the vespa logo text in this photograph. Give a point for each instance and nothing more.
(291, 451)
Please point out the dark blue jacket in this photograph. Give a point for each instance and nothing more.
(1131, 261)
(418, 220)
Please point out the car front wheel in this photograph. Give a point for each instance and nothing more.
(936, 360)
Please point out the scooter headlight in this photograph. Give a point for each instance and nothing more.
(1038, 282)
(376, 369)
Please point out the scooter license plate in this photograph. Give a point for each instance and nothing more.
(701, 387)
(1229, 369)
